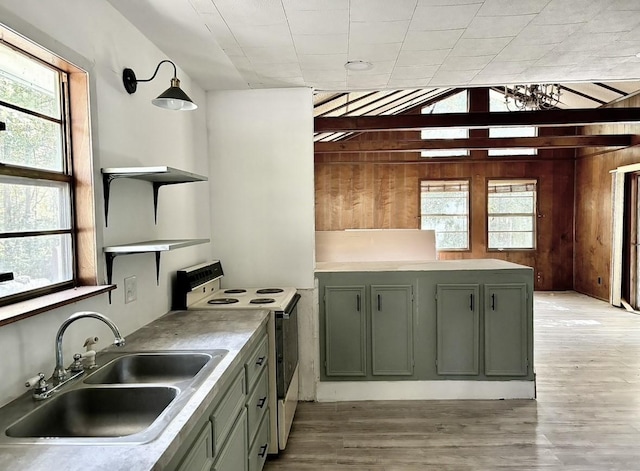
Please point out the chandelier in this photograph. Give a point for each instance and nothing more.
(532, 97)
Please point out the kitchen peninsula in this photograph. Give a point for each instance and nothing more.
(459, 329)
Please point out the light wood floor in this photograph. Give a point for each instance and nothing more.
(586, 416)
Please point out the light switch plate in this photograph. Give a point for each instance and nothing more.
(130, 289)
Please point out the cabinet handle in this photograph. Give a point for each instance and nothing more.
(358, 302)
(379, 303)
(260, 361)
(493, 302)
(263, 450)
(471, 301)
(262, 402)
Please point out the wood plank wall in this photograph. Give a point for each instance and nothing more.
(593, 212)
(382, 191)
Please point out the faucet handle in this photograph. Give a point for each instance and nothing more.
(76, 366)
(39, 385)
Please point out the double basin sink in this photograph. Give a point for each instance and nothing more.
(130, 399)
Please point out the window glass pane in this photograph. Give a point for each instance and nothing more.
(511, 203)
(445, 209)
(27, 205)
(457, 103)
(35, 262)
(30, 142)
(28, 84)
(497, 103)
(511, 208)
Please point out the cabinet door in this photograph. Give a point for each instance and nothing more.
(345, 328)
(392, 330)
(233, 455)
(505, 329)
(457, 325)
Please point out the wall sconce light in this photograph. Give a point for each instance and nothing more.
(173, 98)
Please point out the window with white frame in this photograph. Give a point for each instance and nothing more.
(445, 209)
(458, 103)
(497, 103)
(37, 239)
(511, 211)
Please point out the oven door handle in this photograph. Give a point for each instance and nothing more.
(286, 314)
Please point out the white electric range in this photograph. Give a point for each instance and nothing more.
(199, 288)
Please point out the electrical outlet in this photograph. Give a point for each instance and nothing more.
(130, 289)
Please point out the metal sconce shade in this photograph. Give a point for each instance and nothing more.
(172, 98)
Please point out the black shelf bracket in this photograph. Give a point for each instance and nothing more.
(110, 256)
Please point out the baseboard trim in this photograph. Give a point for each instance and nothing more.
(423, 390)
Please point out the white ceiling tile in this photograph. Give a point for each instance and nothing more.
(559, 12)
(480, 47)
(203, 6)
(604, 63)
(492, 79)
(279, 70)
(374, 52)
(560, 59)
(270, 55)
(431, 40)
(408, 83)
(466, 63)
(506, 68)
(251, 13)
(215, 23)
(301, 5)
(325, 75)
(447, 2)
(322, 61)
(523, 52)
(410, 58)
(453, 77)
(613, 21)
(629, 5)
(497, 26)
(329, 85)
(438, 18)
(414, 72)
(378, 32)
(546, 74)
(379, 67)
(619, 49)
(319, 21)
(233, 51)
(587, 41)
(633, 35)
(511, 7)
(381, 10)
(546, 34)
(321, 43)
(367, 81)
(262, 36)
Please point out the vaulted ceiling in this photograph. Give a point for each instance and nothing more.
(233, 44)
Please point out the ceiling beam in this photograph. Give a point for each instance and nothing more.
(539, 142)
(570, 117)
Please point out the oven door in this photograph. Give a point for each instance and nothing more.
(286, 345)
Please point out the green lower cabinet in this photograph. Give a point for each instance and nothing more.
(233, 454)
(368, 336)
(505, 329)
(391, 330)
(458, 329)
(345, 331)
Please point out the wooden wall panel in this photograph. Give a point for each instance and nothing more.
(593, 210)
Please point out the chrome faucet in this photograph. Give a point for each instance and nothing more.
(60, 373)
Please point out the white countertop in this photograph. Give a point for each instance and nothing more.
(427, 265)
(178, 330)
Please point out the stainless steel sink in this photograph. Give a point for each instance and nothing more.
(96, 412)
(152, 368)
(128, 400)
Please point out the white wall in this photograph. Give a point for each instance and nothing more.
(127, 131)
(262, 190)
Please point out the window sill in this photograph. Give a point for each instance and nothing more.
(31, 307)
